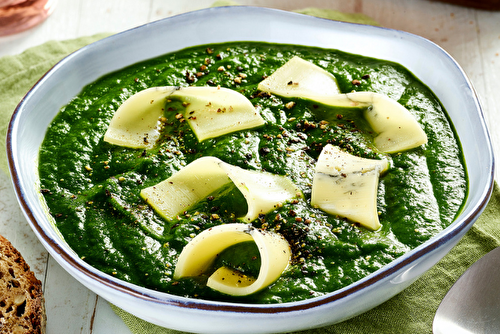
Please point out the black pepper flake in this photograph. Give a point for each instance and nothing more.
(264, 150)
(263, 94)
(308, 125)
(190, 78)
(366, 76)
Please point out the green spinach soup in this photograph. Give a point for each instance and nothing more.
(97, 190)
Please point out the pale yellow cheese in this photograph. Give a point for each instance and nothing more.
(300, 78)
(137, 123)
(396, 128)
(210, 111)
(199, 254)
(346, 185)
(190, 185)
(213, 111)
(262, 191)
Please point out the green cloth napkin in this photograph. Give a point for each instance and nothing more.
(20, 72)
(411, 311)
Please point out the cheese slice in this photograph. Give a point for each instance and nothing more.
(214, 111)
(136, 123)
(185, 188)
(395, 127)
(346, 185)
(300, 78)
(397, 130)
(210, 112)
(199, 254)
(262, 191)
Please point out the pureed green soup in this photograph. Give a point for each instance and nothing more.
(92, 187)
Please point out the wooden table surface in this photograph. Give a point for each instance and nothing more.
(471, 36)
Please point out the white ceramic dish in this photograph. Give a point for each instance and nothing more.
(426, 60)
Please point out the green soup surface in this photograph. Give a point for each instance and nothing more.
(92, 187)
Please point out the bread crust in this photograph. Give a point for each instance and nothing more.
(22, 304)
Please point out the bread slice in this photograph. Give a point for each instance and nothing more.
(22, 305)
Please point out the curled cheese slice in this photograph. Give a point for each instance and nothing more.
(199, 254)
(300, 78)
(210, 112)
(188, 186)
(346, 185)
(214, 111)
(262, 191)
(136, 123)
(397, 130)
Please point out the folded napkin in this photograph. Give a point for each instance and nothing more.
(411, 311)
